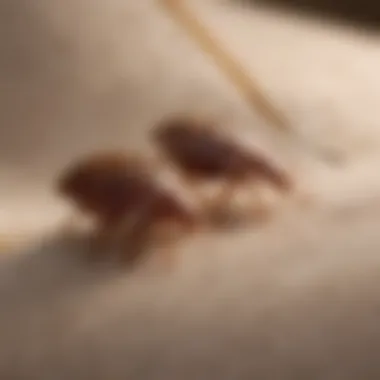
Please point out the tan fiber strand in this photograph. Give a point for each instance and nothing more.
(246, 85)
(231, 67)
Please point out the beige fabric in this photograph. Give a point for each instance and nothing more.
(297, 299)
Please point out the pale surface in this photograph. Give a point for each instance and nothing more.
(295, 300)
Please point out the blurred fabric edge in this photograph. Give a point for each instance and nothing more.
(364, 14)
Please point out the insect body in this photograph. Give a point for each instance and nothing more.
(122, 196)
(201, 153)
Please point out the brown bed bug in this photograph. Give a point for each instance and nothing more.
(202, 153)
(127, 203)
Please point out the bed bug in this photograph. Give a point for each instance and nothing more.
(127, 203)
(202, 153)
